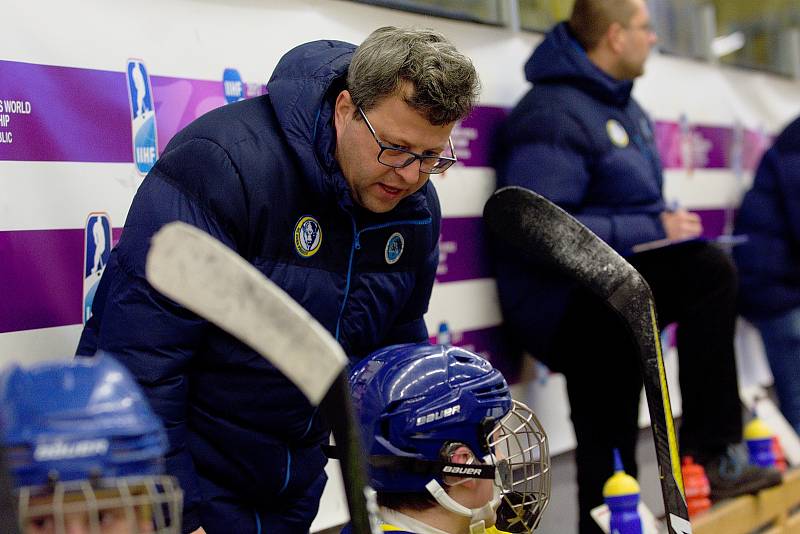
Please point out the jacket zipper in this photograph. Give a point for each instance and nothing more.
(357, 246)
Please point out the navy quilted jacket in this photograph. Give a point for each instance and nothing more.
(249, 174)
(579, 139)
(769, 263)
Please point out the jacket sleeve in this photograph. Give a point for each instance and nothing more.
(151, 335)
(556, 163)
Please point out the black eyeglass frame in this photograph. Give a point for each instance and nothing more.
(413, 156)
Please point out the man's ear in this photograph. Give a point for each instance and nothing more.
(614, 37)
(344, 109)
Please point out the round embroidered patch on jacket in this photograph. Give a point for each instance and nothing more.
(307, 236)
(617, 133)
(394, 248)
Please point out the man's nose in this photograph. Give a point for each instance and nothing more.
(409, 174)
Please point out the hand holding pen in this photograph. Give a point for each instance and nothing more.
(680, 223)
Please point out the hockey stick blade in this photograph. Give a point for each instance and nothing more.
(200, 273)
(547, 235)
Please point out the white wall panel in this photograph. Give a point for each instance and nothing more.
(51, 195)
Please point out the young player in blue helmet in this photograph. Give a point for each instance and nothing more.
(85, 451)
(449, 450)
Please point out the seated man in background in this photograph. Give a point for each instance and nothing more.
(85, 451)
(581, 140)
(769, 264)
(449, 450)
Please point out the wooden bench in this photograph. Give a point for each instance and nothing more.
(772, 511)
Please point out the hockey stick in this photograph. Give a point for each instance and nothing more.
(200, 273)
(543, 232)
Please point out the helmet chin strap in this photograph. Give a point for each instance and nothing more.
(478, 517)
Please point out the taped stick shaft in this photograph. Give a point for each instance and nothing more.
(337, 408)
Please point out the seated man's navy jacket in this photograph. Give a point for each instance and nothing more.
(769, 262)
(260, 175)
(579, 139)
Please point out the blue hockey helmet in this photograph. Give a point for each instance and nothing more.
(83, 426)
(414, 399)
(417, 403)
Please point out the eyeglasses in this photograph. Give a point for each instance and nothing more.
(399, 158)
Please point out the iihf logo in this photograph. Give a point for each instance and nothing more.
(143, 116)
(394, 248)
(307, 236)
(97, 247)
(232, 85)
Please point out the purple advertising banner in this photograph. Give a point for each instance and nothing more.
(709, 147)
(41, 278)
(755, 143)
(50, 113)
(697, 147)
(179, 101)
(462, 250)
(713, 146)
(472, 138)
(63, 114)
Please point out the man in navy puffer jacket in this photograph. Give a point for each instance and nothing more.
(323, 186)
(581, 140)
(769, 264)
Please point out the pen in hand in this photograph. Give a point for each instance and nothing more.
(679, 223)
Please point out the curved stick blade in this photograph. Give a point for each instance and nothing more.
(545, 233)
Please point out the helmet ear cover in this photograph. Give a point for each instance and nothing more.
(430, 468)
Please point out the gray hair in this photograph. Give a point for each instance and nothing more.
(445, 84)
(591, 19)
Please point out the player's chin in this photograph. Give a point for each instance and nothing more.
(382, 207)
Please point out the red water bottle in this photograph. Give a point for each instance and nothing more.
(780, 459)
(695, 484)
